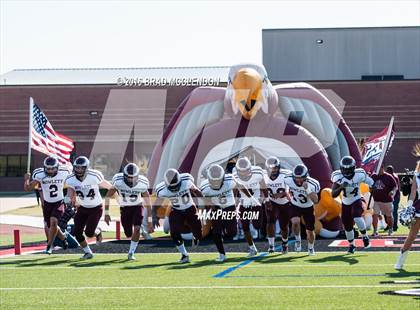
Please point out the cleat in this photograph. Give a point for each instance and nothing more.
(65, 244)
(390, 231)
(87, 256)
(284, 248)
(252, 253)
(298, 246)
(311, 252)
(401, 260)
(48, 250)
(146, 235)
(351, 249)
(184, 259)
(366, 242)
(99, 237)
(131, 256)
(271, 249)
(221, 258)
(375, 234)
(195, 242)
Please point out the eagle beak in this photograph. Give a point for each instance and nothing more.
(247, 93)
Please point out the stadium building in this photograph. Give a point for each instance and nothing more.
(370, 74)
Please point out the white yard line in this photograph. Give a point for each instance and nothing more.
(129, 264)
(199, 287)
(192, 254)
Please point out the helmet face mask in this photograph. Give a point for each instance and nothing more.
(81, 165)
(348, 167)
(300, 174)
(131, 174)
(172, 180)
(51, 166)
(272, 165)
(216, 176)
(243, 168)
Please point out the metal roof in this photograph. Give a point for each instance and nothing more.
(75, 76)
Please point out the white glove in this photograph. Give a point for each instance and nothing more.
(409, 203)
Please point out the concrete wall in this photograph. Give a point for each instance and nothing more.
(345, 54)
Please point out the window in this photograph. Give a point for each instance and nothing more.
(12, 165)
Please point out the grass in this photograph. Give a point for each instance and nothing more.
(7, 240)
(36, 210)
(325, 281)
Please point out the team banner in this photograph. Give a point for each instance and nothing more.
(376, 147)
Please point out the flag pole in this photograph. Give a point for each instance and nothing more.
(387, 141)
(31, 105)
(385, 149)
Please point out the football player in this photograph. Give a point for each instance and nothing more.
(179, 188)
(220, 190)
(51, 180)
(413, 207)
(304, 194)
(251, 178)
(347, 180)
(280, 205)
(132, 189)
(83, 192)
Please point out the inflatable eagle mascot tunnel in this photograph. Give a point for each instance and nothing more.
(250, 117)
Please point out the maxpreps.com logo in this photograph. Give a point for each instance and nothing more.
(221, 214)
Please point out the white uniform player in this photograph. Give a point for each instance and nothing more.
(133, 198)
(222, 197)
(84, 186)
(181, 198)
(87, 190)
(351, 190)
(130, 196)
(253, 184)
(51, 179)
(251, 178)
(304, 194)
(299, 194)
(220, 190)
(279, 209)
(179, 189)
(52, 186)
(347, 180)
(277, 186)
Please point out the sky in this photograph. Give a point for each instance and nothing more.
(116, 34)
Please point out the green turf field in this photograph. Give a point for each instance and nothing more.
(325, 281)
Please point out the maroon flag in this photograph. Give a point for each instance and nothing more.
(376, 147)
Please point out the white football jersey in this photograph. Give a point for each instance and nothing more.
(180, 199)
(299, 196)
(352, 192)
(276, 186)
(252, 184)
(130, 196)
(52, 187)
(87, 191)
(222, 197)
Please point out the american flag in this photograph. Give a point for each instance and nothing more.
(46, 140)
